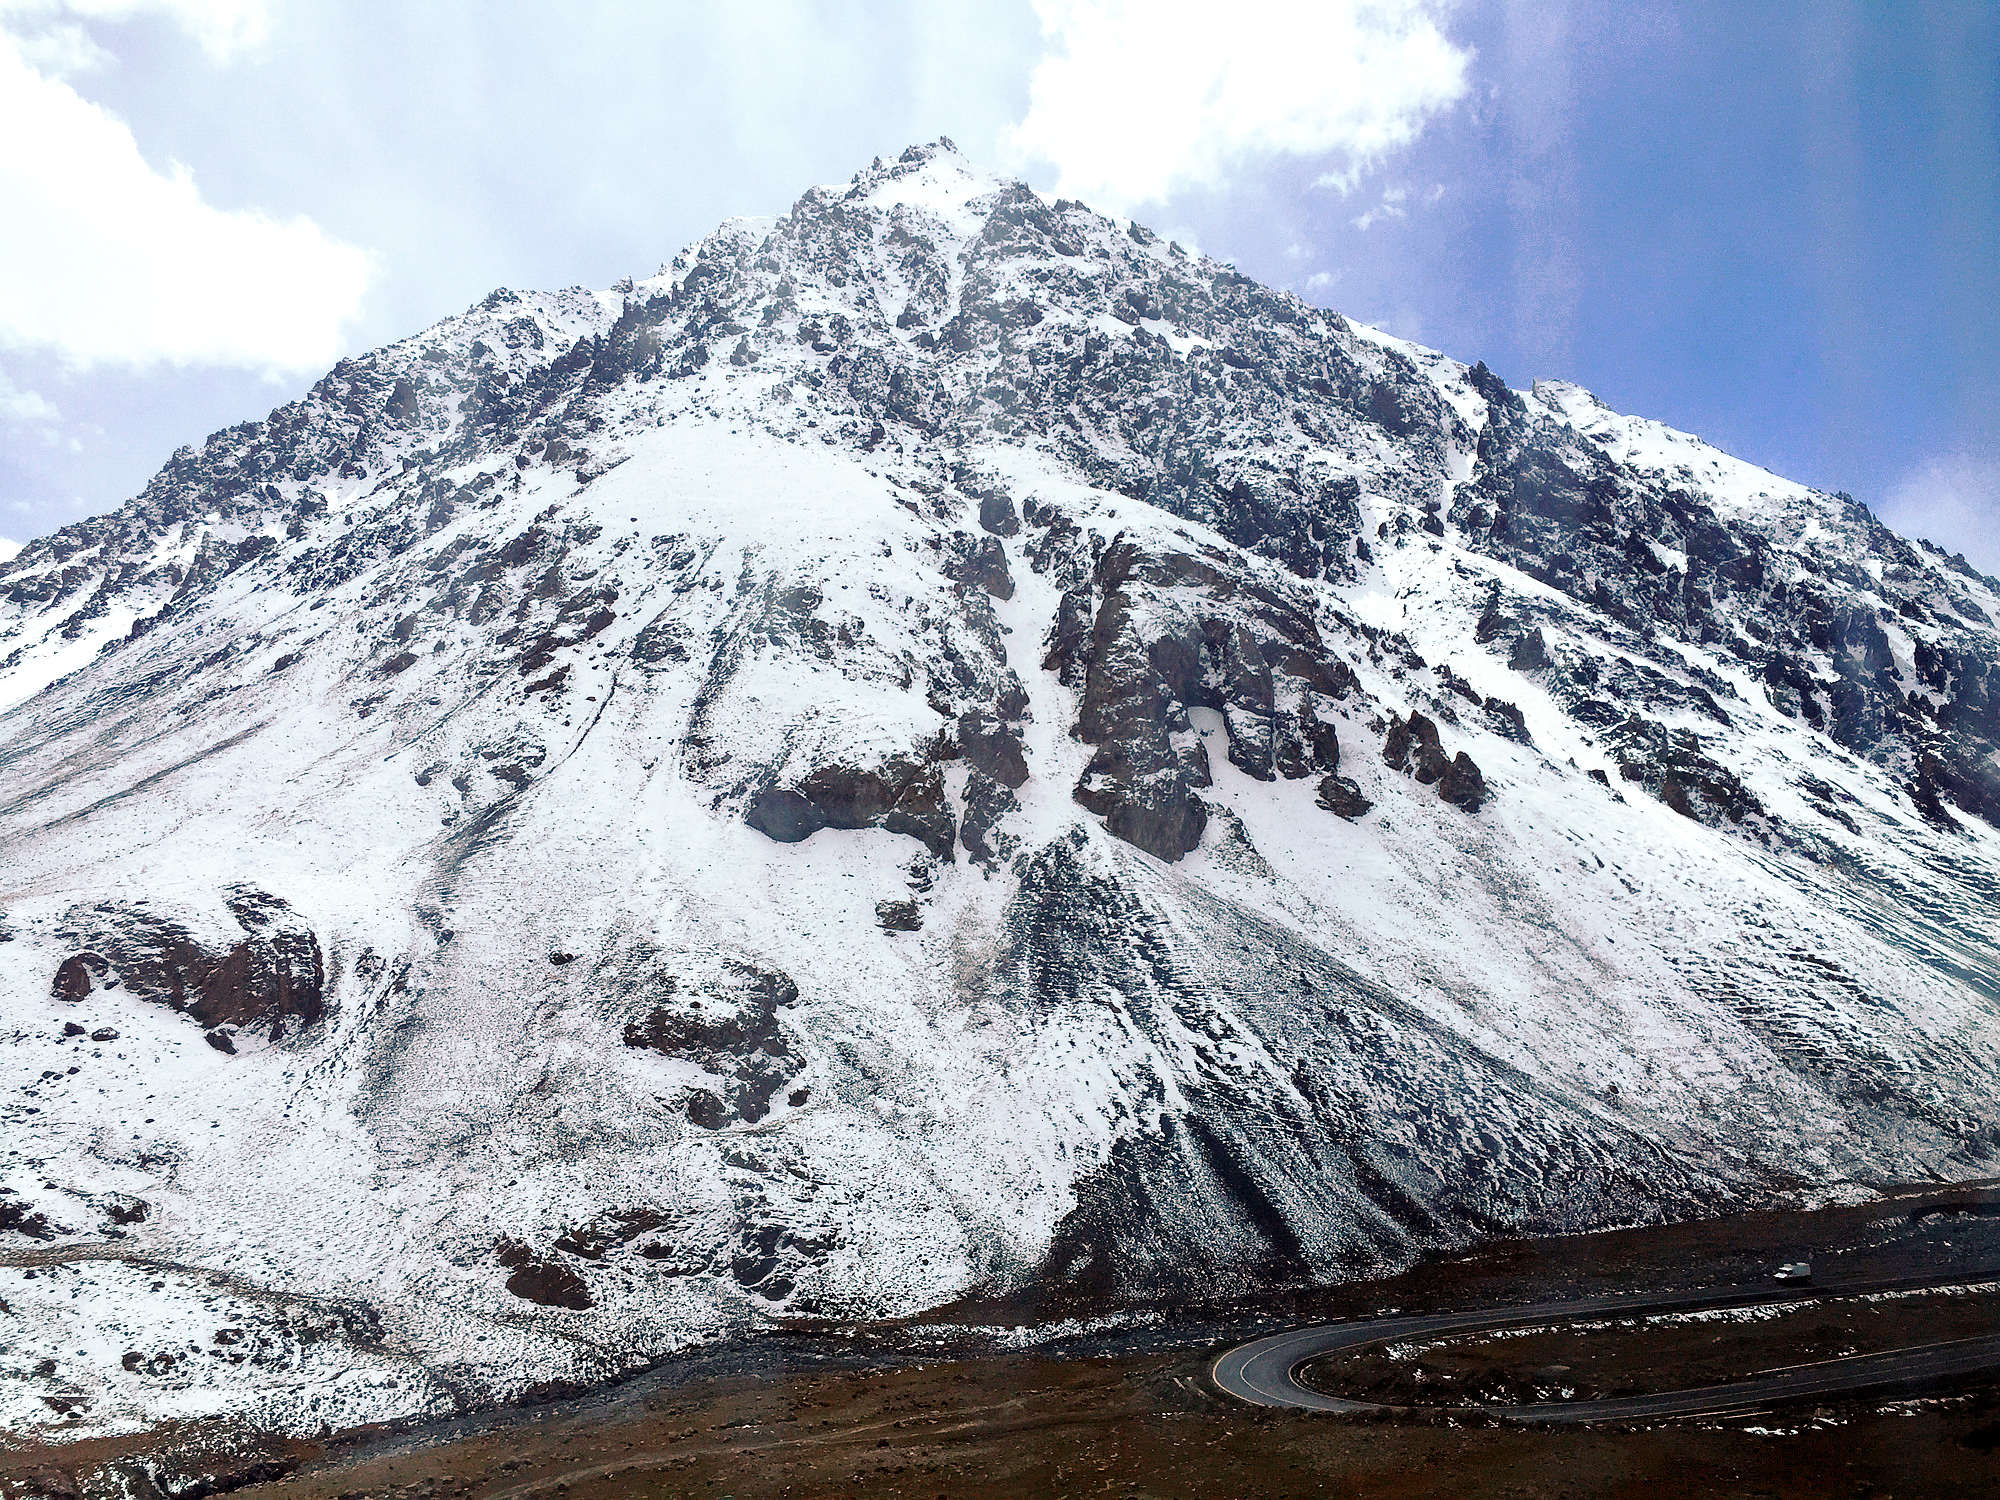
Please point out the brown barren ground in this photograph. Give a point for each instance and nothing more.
(1594, 1360)
(1134, 1416)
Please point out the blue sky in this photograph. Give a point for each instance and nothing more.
(1776, 225)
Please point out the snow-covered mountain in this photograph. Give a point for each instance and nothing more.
(940, 744)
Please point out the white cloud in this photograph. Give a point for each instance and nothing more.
(1953, 500)
(1396, 203)
(105, 260)
(24, 406)
(1139, 99)
(223, 27)
(62, 51)
(1391, 207)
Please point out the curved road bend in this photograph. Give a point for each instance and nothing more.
(1264, 1371)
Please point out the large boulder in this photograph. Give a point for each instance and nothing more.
(267, 976)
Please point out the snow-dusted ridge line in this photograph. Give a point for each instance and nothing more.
(852, 772)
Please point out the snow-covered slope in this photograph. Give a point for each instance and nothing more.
(939, 744)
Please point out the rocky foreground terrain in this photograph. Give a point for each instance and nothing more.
(941, 746)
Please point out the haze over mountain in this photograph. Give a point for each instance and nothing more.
(941, 745)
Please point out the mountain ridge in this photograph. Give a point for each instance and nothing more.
(943, 744)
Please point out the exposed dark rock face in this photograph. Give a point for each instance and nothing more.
(901, 796)
(982, 562)
(1149, 762)
(1462, 785)
(727, 1021)
(1412, 747)
(1670, 765)
(1068, 645)
(615, 1229)
(541, 1279)
(270, 980)
(996, 513)
(1176, 632)
(993, 747)
(1651, 555)
(1530, 653)
(1508, 719)
(1961, 773)
(987, 802)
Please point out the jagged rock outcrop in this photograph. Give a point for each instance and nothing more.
(1412, 747)
(1654, 553)
(271, 977)
(726, 1022)
(1461, 784)
(1175, 632)
(902, 796)
(1395, 809)
(1149, 762)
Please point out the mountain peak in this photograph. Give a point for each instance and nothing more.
(944, 745)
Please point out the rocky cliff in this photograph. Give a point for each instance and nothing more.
(941, 744)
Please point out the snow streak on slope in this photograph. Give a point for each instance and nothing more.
(940, 744)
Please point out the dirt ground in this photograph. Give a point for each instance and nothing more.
(1131, 1414)
(1595, 1360)
(1142, 1427)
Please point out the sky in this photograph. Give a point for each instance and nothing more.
(1773, 224)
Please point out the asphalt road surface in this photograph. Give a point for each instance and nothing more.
(1264, 1371)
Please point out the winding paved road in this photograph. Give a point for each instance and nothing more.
(1264, 1371)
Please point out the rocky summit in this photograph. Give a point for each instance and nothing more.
(941, 746)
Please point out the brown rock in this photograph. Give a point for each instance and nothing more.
(73, 976)
(1339, 795)
(274, 976)
(1412, 747)
(547, 1282)
(1462, 785)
